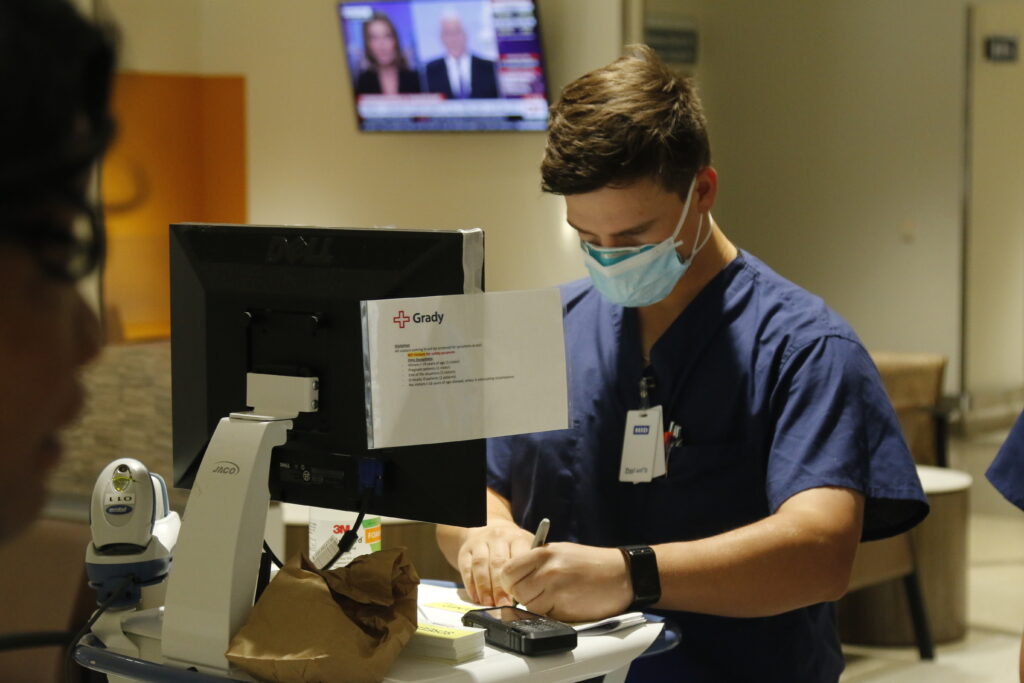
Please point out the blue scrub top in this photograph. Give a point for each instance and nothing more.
(774, 394)
(1006, 472)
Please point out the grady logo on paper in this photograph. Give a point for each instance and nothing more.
(402, 319)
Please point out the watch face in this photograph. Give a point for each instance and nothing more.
(646, 589)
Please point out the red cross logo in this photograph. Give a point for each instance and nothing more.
(401, 319)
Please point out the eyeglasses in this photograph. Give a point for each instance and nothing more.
(68, 243)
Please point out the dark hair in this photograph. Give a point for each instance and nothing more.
(55, 79)
(632, 119)
(399, 55)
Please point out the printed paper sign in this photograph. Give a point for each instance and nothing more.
(467, 366)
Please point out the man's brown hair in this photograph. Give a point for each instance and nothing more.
(632, 119)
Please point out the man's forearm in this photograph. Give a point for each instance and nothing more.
(793, 558)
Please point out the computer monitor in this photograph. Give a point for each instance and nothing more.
(285, 301)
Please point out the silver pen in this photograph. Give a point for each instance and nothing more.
(539, 539)
(541, 536)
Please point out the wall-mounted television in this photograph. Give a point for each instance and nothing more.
(450, 65)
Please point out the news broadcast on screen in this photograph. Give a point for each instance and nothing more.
(445, 65)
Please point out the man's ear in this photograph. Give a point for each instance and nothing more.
(707, 188)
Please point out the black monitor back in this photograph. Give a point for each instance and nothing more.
(285, 301)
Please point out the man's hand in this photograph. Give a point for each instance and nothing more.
(569, 582)
(484, 553)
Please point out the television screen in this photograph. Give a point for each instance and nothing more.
(445, 64)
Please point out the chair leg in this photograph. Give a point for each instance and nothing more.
(941, 438)
(919, 616)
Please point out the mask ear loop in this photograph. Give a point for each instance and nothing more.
(682, 219)
(699, 246)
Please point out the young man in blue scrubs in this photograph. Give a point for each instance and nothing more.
(1006, 474)
(781, 449)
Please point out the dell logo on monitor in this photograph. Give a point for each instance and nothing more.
(311, 251)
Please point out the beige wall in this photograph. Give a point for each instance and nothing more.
(309, 165)
(995, 239)
(837, 131)
(157, 36)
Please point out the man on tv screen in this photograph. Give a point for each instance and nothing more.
(459, 74)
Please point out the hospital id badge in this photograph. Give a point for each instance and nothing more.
(643, 446)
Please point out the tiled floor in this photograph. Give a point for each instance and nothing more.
(995, 593)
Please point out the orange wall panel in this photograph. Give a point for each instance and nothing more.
(222, 126)
(179, 156)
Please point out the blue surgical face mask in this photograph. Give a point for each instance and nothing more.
(643, 275)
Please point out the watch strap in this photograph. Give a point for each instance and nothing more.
(643, 573)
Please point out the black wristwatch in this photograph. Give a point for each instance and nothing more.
(643, 571)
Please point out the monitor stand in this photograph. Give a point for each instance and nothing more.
(212, 581)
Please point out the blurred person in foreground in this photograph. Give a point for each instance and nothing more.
(387, 72)
(55, 79)
(782, 450)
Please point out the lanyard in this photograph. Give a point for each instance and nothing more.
(673, 436)
(646, 384)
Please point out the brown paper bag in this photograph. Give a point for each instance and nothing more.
(346, 624)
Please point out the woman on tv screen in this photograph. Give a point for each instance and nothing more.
(387, 72)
